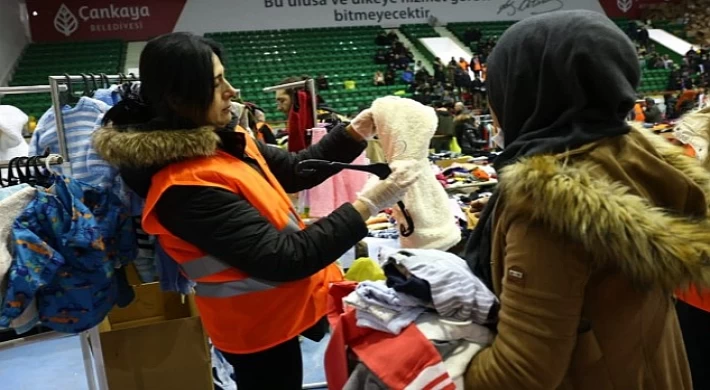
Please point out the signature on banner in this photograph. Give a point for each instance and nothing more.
(536, 7)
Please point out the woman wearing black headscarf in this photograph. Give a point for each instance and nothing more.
(593, 224)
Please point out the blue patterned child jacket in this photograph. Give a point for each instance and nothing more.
(67, 243)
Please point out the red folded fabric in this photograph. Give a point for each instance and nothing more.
(300, 120)
(405, 361)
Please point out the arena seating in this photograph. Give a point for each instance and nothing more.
(41, 60)
(414, 32)
(258, 59)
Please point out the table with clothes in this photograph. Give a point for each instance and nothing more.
(460, 175)
(415, 322)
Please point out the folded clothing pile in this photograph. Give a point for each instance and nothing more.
(467, 173)
(382, 308)
(382, 226)
(419, 329)
(419, 280)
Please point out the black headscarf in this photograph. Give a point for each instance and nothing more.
(556, 81)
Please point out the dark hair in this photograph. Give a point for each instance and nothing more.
(177, 83)
(288, 80)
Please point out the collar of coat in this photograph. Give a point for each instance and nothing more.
(135, 148)
(652, 246)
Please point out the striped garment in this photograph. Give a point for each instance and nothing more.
(456, 293)
(86, 165)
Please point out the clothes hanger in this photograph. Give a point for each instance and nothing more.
(11, 179)
(32, 177)
(68, 96)
(381, 170)
(93, 83)
(87, 89)
(105, 81)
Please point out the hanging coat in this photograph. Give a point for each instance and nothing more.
(67, 243)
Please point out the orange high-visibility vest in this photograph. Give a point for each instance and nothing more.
(639, 116)
(241, 314)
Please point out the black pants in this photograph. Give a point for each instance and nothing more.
(695, 323)
(280, 367)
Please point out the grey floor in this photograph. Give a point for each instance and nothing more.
(57, 365)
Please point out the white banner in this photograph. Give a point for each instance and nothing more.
(202, 16)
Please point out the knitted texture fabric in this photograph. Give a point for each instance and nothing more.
(405, 128)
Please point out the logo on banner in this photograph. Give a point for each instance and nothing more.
(111, 18)
(625, 5)
(65, 22)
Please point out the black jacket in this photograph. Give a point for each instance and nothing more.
(224, 224)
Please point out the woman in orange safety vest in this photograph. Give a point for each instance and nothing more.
(216, 198)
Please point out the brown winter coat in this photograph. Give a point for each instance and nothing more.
(587, 249)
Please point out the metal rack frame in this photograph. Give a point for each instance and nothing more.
(89, 340)
(309, 84)
(30, 89)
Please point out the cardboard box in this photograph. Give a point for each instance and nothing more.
(150, 305)
(156, 344)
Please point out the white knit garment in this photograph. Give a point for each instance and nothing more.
(10, 208)
(405, 128)
(12, 144)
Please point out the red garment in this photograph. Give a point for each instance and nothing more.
(300, 120)
(405, 361)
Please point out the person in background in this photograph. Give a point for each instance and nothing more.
(262, 130)
(408, 76)
(389, 77)
(284, 97)
(651, 112)
(422, 75)
(444, 130)
(439, 71)
(477, 91)
(460, 108)
(418, 66)
(463, 64)
(446, 99)
(322, 83)
(576, 240)
(378, 79)
(392, 37)
(402, 62)
(667, 62)
(381, 39)
(217, 201)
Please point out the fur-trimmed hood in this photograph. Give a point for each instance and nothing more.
(135, 148)
(132, 148)
(608, 204)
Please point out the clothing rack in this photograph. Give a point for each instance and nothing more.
(89, 340)
(29, 89)
(309, 85)
(52, 159)
(59, 84)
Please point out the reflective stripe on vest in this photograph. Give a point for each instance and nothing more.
(230, 289)
(209, 265)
